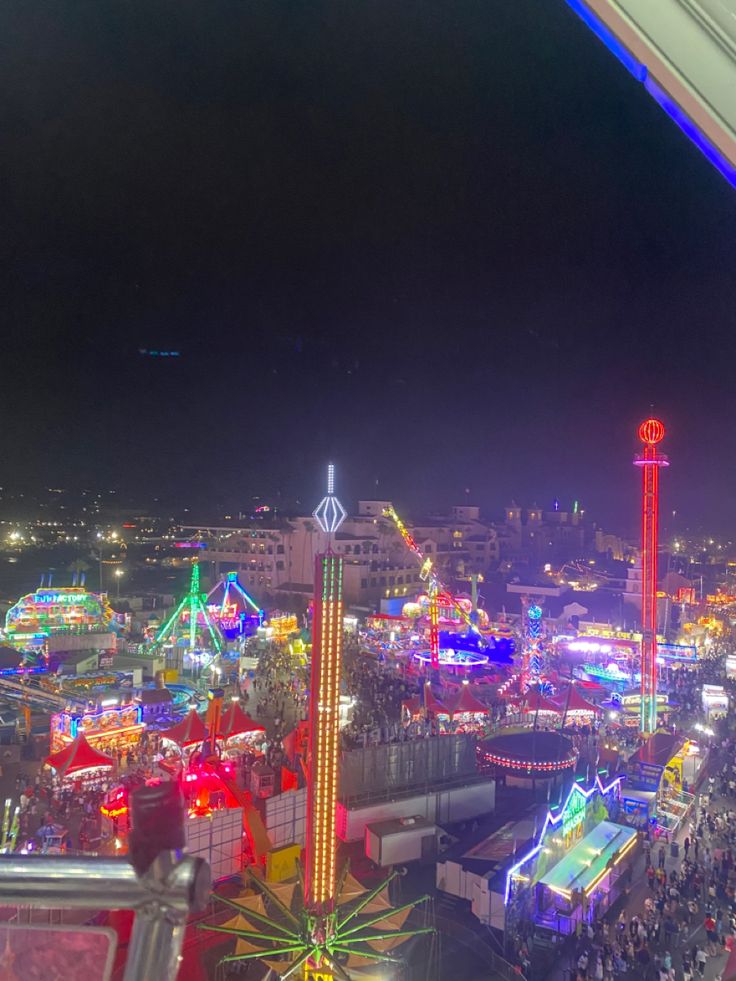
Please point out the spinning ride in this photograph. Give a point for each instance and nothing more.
(532, 753)
(233, 608)
(436, 591)
(532, 664)
(190, 622)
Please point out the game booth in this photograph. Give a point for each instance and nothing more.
(239, 732)
(428, 707)
(468, 713)
(576, 709)
(81, 763)
(110, 729)
(660, 777)
(715, 702)
(578, 866)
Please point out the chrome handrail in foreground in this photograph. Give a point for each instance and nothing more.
(163, 892)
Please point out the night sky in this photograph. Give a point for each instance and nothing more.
(449, 244)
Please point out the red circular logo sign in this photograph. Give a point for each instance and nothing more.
(651, 431)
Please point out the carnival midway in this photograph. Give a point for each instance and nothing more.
(379, 793)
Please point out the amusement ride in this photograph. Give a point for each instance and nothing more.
(438, 595)
(189, 621)
(326, 921)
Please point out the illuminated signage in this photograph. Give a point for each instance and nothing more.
(318, 974)
(552, 822)
(58, 597)
(574, 814)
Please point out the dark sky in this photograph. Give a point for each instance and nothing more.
(449, 244)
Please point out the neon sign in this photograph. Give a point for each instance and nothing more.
(66, 598)
(574, 814)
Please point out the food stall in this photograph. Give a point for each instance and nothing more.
(80, 762)
(658, 773)
(715, 701)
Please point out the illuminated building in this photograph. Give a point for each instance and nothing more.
(581, 857)
(651, 433)
(48, 612)
(577, 862)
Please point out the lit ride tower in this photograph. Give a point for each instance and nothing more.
(651, 432)
(533, 656)
(331, 921)
(324, 732)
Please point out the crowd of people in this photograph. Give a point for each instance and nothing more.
(277, 691)
(377, 690)
(686, 913)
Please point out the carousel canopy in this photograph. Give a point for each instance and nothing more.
(77, 756)
(188, 731)
(467, 703)
(236, 722)
(572, 701)
(534, 701)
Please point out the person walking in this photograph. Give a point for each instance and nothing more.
(710, 931)
(583, 964)
(700, 959)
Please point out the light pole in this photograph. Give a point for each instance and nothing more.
(119, 573)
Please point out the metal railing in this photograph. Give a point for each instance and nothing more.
(159, 883)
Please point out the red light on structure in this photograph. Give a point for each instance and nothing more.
(651, 431)
(529, 766)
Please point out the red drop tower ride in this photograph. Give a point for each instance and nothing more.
(651, 432)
